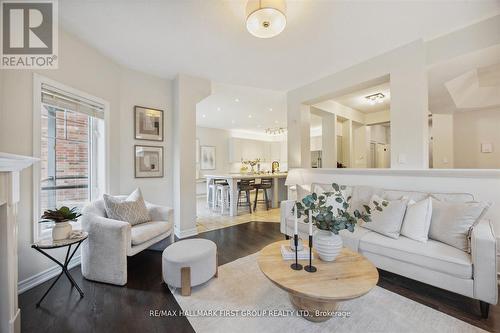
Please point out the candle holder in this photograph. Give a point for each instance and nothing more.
(310, 268)
(296, 266)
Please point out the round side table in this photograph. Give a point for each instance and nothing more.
(49, 243)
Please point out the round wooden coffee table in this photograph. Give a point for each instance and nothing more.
(317, 294)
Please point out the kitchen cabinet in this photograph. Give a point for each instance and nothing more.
(247, 149)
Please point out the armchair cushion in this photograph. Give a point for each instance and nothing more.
(132, 209)
(143, 232)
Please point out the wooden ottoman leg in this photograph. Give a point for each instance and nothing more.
(216, 265)
(186, 281)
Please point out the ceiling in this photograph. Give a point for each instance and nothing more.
(242, 108)
(357, 100)
(209, 38)
(466, 83)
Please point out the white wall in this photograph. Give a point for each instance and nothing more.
(139, 89)
(406, 67)
(470, 129)
(85, 69)
(442, 141)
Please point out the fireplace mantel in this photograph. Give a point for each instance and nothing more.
(10, 168)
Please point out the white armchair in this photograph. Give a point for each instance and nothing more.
(104, 254)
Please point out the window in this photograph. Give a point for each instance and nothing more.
(71, 169)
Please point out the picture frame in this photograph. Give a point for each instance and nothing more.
(148, 124)
(207, 158)
(148, 161)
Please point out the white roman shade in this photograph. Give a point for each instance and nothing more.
(62, 99)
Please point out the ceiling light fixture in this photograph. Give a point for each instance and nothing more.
(375, 98)
(266, 18)
(218, 108)
(204, 115)
(270, 109)
(275, 130)
(249, 116)
(236, 100)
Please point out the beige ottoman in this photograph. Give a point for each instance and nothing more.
(188, 263)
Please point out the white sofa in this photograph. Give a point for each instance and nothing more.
(104, 253)
(435, 263)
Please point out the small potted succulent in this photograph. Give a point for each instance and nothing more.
(61, 217)
(329, 220)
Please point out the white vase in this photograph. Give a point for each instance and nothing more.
(327, 244)
(61, 231)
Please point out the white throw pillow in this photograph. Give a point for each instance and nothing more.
(387, 222)
(417, 220)
(132, 209)
(320, 189)
(302, 192)
(452, 221)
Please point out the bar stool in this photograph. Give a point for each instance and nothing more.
(213, 189)
(222, 195)
(245, 186)
(265, 184)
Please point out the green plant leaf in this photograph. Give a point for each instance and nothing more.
(339, 200)
(336, 187)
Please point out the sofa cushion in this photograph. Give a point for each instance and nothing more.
(417, 220)
(432, 255)
(143, 232)
(453, 197)
(410, 195)
(452, 221)
(361, 195)
(131, 209)
(388, 221)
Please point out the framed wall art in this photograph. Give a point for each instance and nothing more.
(148, 123)
(207, 158)
(148, 161)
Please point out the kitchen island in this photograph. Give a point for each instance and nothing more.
(278, 193)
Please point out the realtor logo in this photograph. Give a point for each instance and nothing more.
(29, 34)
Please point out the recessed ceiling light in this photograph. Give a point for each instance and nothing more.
(236, 100)
(218, 108)
(249, 116)
(275, 121)
(232, 121)
(270, 109)
(204, 115)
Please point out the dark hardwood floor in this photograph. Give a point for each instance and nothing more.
(108, 308)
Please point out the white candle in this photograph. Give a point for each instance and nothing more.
(295, 225)
(310, 222)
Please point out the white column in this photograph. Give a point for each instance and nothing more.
(329, 139)
(409, 111)
(188, 91)
(347, 142)
(299, 136)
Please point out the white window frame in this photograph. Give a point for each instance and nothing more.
(38, 81)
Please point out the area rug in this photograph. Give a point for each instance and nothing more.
(242, 300)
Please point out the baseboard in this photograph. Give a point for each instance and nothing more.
(186, 233)
(43, 276)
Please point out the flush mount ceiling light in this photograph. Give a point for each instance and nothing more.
(375, 98)
(266, 18)
(275, 131)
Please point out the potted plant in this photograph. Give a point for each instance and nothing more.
(61, 218)
(329, 220)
